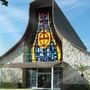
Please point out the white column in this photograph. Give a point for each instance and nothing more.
(52, 78)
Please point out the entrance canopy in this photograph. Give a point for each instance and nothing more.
(31, 65)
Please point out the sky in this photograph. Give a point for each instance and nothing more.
(14, 20)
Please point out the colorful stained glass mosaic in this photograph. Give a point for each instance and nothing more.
(45, 48)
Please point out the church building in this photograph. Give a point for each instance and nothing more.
(46, 55)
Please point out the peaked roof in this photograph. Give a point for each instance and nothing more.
(64, 27)
(60, 22)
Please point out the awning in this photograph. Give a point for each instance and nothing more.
(31, 65)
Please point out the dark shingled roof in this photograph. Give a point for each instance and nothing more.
(60, 22)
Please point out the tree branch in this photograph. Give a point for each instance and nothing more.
(4, 2)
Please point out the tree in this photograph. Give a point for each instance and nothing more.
(81, 68)
(4, 2)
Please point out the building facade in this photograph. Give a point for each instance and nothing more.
(46, 56)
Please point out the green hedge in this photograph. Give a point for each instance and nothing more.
(8, 85)
(78, 87)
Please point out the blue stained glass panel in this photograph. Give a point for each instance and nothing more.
(44, 52)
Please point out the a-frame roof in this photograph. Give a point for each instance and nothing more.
(60, 22)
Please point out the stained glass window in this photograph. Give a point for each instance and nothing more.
(45, 48)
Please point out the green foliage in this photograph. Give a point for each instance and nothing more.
(1, 65)
(8, 85)
(79, 87)
(81, 68)
(4, 2)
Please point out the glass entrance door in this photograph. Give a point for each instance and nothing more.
(44, 80)
(32, 78)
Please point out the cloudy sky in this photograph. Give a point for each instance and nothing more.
(14, 19)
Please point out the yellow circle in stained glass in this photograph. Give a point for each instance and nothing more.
(43, 39)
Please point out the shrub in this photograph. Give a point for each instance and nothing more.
(8, 85)
(79, 87)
